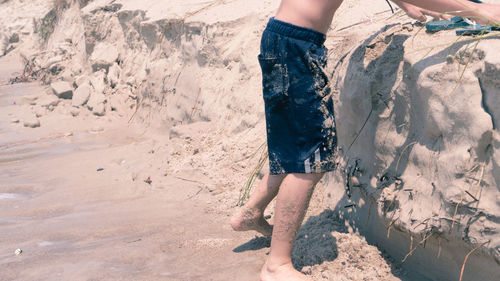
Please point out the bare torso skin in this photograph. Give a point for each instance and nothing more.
(314, 14)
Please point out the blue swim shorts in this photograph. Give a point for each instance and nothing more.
(300, 123)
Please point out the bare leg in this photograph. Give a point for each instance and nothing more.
(251, 216)
(291, 206)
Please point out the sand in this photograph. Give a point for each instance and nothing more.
(76, 202)
(168, 91)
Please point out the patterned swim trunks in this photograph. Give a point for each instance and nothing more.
(300, 123)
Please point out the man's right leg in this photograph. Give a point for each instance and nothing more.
(291, 206)
(251, 216)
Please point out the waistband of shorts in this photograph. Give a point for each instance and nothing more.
(294, 31)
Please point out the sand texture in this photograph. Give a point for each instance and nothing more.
(423, 150)
(417, 186)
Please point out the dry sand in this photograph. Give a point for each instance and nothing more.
(168, 91)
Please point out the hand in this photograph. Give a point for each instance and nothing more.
(419, 13)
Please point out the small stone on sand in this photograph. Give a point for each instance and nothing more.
(62, 89)
(99, 109)
(82, 94)
(31, 121)
(74, 111)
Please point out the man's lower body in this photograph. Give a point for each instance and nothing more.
(301, 139)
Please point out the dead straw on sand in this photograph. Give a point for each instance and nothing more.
(369, 213)
(467, 257)
(439, 247)
(455, 213)
(402, 152)
(465, 68)
(420, 243)
(480, 187)
(476, 198)
(245, 191)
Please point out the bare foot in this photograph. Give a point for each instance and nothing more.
(283, 272)
(251, 219)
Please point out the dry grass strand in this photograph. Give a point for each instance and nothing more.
(467, 257)
(420, 243)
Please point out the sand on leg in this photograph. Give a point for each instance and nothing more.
(251, 216)
(291, 206)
